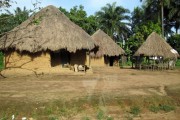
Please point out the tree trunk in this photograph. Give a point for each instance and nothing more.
(162, 17)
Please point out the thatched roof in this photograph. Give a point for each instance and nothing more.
(106, 45)
(49, 29)
(155, 46)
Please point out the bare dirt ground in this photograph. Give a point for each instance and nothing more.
(105, 81)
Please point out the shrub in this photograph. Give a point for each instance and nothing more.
(135, 110)
(154, 108)
(166, 108)
(178, 63)
(4, 117)
(100, 115)
(1, 61)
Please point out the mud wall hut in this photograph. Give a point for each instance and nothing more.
(154, 46)
(157, 49)
(107, 53)
(46, 40)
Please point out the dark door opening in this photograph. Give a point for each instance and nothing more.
(65, 57)
(111, 61)
(60, 58)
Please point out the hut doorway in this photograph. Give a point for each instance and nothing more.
(111, 61)
(65, 57)
(60, 58)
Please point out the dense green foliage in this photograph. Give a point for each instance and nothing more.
(5, 3)
(178, 63)
(113, 20)
(141, 32)
(9, 20)
(174, 41)
(1, 61)
(147, 19)
(128, 30)
(79, 17)
(6, 23)
(171, 8)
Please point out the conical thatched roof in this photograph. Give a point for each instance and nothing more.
(155, 46)
(49, 29)
(106, 45)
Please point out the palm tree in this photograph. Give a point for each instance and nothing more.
(174, 13)
(113, 19)
(10, 20)
(137, 17)
(155, 10)
(5, 3)
(21, 15)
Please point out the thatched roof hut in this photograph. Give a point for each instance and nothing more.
(106, 45)
(49, 29)
(155, 46)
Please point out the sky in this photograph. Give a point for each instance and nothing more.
(90, 6)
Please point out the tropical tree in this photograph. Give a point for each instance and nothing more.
(173, 14)
(141, 32)
(174, 41)
(113, 20)
(137, 17)
(21, 15)
(10, 20)
(79, 16)
(64, 11)
(6, 23)
(5, 3)
(170, 13)
(154, 10)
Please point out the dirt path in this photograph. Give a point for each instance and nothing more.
(122, 82)
(106, 82)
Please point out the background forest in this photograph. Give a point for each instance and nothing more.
(128, 29)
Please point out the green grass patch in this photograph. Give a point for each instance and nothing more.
(4, 117)
(154, 108)
(135, 110)
(61, 108)
(53, 117)
(102, 116)
(125, 64)
(167, 108)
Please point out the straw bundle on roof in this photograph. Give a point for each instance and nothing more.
(49, 29)
(106, 45)
(155, 46)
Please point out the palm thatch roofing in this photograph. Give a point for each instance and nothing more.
(155, 46)
(106, 45)
(49, 29)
